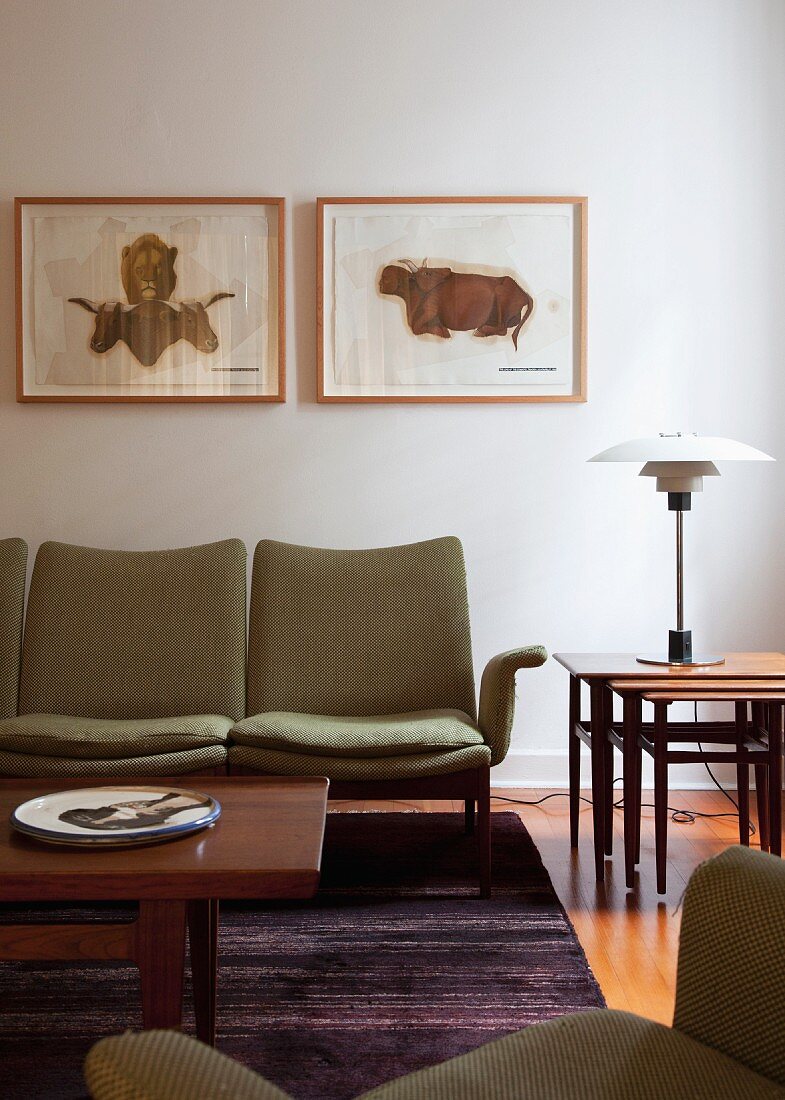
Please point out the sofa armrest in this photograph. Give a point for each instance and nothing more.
(497, 695)
(167, 1065)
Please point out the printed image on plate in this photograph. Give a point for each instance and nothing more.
(112, 816)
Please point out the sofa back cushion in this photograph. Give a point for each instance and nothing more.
(13, 574)
(360, 632)
(135, 634)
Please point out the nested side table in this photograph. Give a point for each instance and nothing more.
(741, 671)
(759, 745)
(635, 736)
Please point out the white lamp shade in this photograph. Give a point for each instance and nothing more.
(681, 448)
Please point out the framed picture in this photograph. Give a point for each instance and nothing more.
(451, 299)
(150, 299)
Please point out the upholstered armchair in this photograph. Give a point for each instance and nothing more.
(133, 663)
(360, 669)
(726, 1039)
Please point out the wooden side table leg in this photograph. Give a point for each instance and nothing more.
(203, 940)
(484, 830)
(742, 774)
(761, 782)
(598, 746)
(608, 750)
(661, 792)
(775, 779)
(638, 789)
(574, 744)
(762, 798)
(160, 955)
(632, 718)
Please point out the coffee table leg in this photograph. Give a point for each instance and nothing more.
(599, 746)
(203, 937)
(160, 956)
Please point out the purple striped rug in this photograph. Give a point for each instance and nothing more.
(395, 965)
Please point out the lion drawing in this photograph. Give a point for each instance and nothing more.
(148, 323)
(147, 269)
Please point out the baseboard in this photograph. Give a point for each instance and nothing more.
(550, 770)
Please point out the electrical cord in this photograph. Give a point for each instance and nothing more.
(679, 815)
(729, 797)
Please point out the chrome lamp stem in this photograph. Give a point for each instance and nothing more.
(679, 640)
(680, 570)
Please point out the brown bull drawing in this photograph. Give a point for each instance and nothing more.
(438, 299)
(150, 327)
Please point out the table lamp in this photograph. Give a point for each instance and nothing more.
(680, 462)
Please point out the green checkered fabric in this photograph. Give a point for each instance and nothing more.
(388, 735)
(497, 695)
(360, 632)
(13, 574)
(361, 769)
(135, 634)
(166, 1065)
(110, 739)
(726, 1043)
(733, 929)
(597, 1055)
(20, 765)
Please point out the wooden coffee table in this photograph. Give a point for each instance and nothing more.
(266, 844)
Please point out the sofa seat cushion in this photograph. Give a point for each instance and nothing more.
(110, 739)
(20, 765)
(596, 1055)
(375, 769)
(423, 731)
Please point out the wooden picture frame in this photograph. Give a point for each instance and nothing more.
(112, 297)
(396, 327)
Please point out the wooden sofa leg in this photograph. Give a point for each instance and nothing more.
(484, 830)
(469, 815)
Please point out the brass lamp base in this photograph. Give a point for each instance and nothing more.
(661, 659)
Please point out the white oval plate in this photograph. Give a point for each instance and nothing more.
(103, 817)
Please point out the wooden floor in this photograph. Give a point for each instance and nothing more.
(630, 936)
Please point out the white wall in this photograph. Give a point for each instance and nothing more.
(669, 116)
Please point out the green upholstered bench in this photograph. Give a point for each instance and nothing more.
(132, 662)
(360, 669)
(726, 1040)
